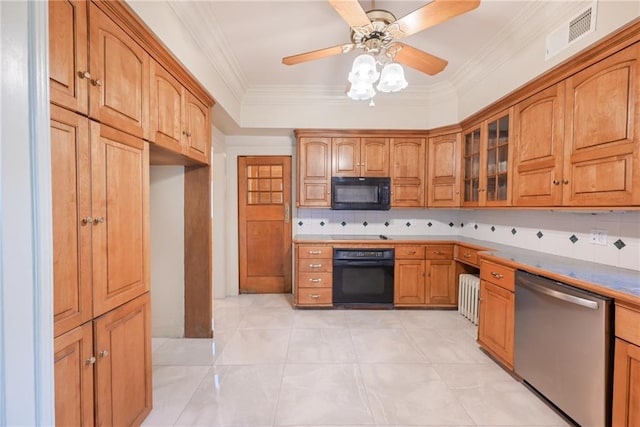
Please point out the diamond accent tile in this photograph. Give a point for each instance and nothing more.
(514, 231)
(300, 223)
(619, 244)
(493, 228)
(429, 224)
(343, 223)
(475, 227)
(321, 223)
(451, 224)
(386, 223)
(365, 223)
(539, 234)
(408, 224)
(573, 238)
(462, 225)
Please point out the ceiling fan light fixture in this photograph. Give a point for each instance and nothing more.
(392, 78)
(361, 91)
(364, 70)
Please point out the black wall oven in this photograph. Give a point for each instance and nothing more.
(363, 276)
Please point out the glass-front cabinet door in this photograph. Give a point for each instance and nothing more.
(486, 159)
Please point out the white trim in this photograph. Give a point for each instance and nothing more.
(40, 142)
(3, 409)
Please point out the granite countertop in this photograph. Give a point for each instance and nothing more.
(619, 283)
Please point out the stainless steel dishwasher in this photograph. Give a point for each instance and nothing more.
(563, 347)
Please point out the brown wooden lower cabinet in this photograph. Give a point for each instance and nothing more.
(314, 275)
(103, 369)
(497, 312)
(626, 385)
(409, 283)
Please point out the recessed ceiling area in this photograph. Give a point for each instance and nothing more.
(490, 50)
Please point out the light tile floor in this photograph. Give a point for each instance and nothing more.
(272, 365)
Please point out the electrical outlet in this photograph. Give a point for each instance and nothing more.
(598, 237)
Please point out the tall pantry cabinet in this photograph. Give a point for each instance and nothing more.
(102, 137)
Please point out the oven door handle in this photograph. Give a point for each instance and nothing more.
(372, 263)
(593, 305)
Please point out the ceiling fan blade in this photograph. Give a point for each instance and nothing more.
(317, 54)
(434, 13)
(351, 12)
(419, 60)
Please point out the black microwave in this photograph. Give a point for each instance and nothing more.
(357, 193)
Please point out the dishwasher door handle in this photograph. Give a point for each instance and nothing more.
(593, 305)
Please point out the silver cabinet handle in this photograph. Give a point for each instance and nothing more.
(84, 74)
(314, 296)
(315, 280)
(315, 265)
(315, 252)
(467, 255)
(87, 220)
(103, 353)
(96, 82)
(411, 252)
(98, 220)
(497, 275)
(438, 252)
(593, 305)
(91, 360)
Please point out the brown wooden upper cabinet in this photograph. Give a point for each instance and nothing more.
(360, 157)
(486, 162)
(577, 140)
(314, 172)
(408, 162)
(443, 183)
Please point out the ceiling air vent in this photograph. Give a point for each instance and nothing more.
(574, 29)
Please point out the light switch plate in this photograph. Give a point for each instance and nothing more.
(598, 237)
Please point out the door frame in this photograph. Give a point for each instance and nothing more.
(250, 146)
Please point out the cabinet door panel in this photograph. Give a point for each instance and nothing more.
(441, 286)
(165, 112)
(601, 161)
(409, 282)
(345, 156)
(314, 172)
(374, 157)
(123, 367)
(119, 89)
(496, 321)
(444, 171)
(74, 377)
(626, 385)
(538, 151)
(119, 175)
(71, 202)
(68, 58)
(197, 141)
(408, 160)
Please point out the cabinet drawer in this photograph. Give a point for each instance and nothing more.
(409, 252)
(498, 274)
(314, 296)
(315, 265)
(308, 251)
(439, 252)
(466, 255)
(315, 280)
(628, 324)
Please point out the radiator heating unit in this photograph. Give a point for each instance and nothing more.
(468, 295)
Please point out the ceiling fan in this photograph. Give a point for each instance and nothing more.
(377, 32)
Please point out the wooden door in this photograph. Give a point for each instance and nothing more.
(165, 111)
(626, 385)
(538, 151)
(120, 214)
(68, 59)
(408, 160)
(196, 128)
(345, 160)
(601, 155)
(73, 376)
(443, 168)
(374, 157)
(440, 283)
(409, 281)
(264, 216)
(123, 366)
(71, 219)
(496, 321)
(472, 155)
(314, 172)
(119, 84)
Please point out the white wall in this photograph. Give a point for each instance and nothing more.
(26, 282)
(166, 212)
(219, 212)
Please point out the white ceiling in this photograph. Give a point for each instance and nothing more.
(245, 40)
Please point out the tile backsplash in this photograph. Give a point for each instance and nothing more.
(556, 232)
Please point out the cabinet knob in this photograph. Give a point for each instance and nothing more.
(91, 360)
(103, 353)
(84, 74)
(98, 220)
(411, 252)
(556, 182)
(565, 181)
(96, 82)
(87, 220)
(438, 252)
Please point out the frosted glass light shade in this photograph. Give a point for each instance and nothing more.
(364, 70)
(392, 78)
(360, 91)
